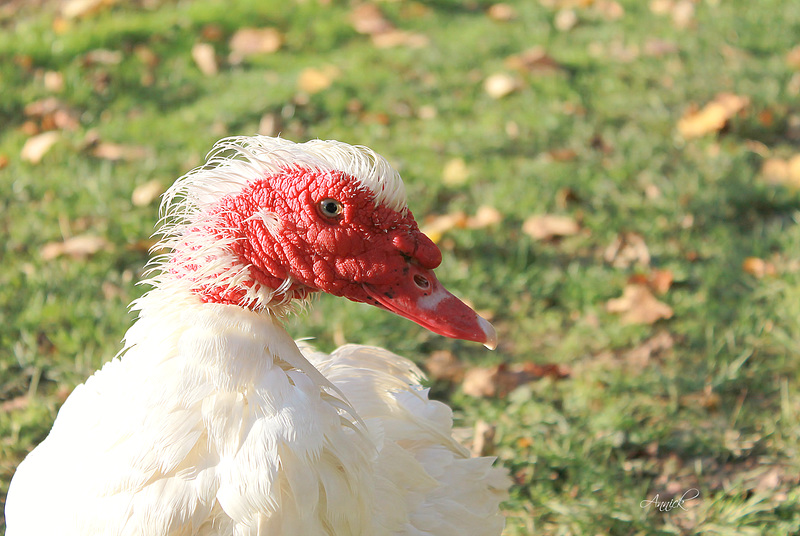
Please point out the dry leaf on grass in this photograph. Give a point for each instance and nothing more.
(548, 226)
(502, 12)
(205, 58)
(37, 146)
(78, 247)
(435, 226)
(534, 60)
(146, 193)
(793, 58)
(640, 356)
(500, 85)
(713, 116)
(783, 172)
(444, 365)
(455, 172)
(485, 216)
(481, 382)
(627, 249)
(116, 151)
(565, 20)
(73, 9)
(483, 439)
(368, 19)
(637, 305)
(313, 80)
(758, 268)
(251, 41)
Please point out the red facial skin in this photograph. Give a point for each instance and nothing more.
(367, 253)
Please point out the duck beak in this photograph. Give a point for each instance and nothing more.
(419, 296)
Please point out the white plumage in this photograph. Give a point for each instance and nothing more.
(213, 421)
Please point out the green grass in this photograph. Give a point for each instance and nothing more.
(718, 412)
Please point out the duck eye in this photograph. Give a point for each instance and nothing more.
(330, 208)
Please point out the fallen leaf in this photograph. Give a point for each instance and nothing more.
(444, 365)
(713, 116)
(455, 172)
(79, 247)
(205, 58)
(793, 58)
(116, 151)
(486, 216)
(547, 226)
(500, 85)
(102, 56)
(396, 38)
(369, 20)
(565, 20)
(4, 161)
(758, 268)
(73, 9)
(312, 80)
(501, 12)
(252, 41)
(638, 306)
(627, 249)
(534, 60)
(661, 281)
(481, 382)
(483, 439)
(640, 356)
(609, 9)
(658, 47)
(270, 124)
(146, 193)
(782, 172)
(435, 226)
(683, 13)
(53, 81)
(37, 146)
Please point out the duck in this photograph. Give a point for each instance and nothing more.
(213, 421)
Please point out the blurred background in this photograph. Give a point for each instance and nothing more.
(613, 183)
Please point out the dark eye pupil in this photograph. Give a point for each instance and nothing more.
(330, 208)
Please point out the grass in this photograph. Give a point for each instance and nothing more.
(717, 411)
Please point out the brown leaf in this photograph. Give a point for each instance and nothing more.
(444, 365)
(435, 226)
(73, 9)
(782, 172)
(252, 41)
(500, 85)
(638, 306)
(502, 12)
(455, 172)
(483, 439)
(793, 58)
(640, 356)
(486, 216)
(205, 58)
(758, 268)
(146, 193)
(369, 20)
(78, 247)
(15, 404)
(4, 161)
(565, 20)
(713, 116)
(660, 281)
(547, 226)
(115, 151)
(396, 38)
(535, 60)
(37, 146)
(627, 249)
(501, 379)
(313, 80)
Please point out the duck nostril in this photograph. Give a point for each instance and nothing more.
(422, 282)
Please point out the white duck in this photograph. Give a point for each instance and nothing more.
(215, 422)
